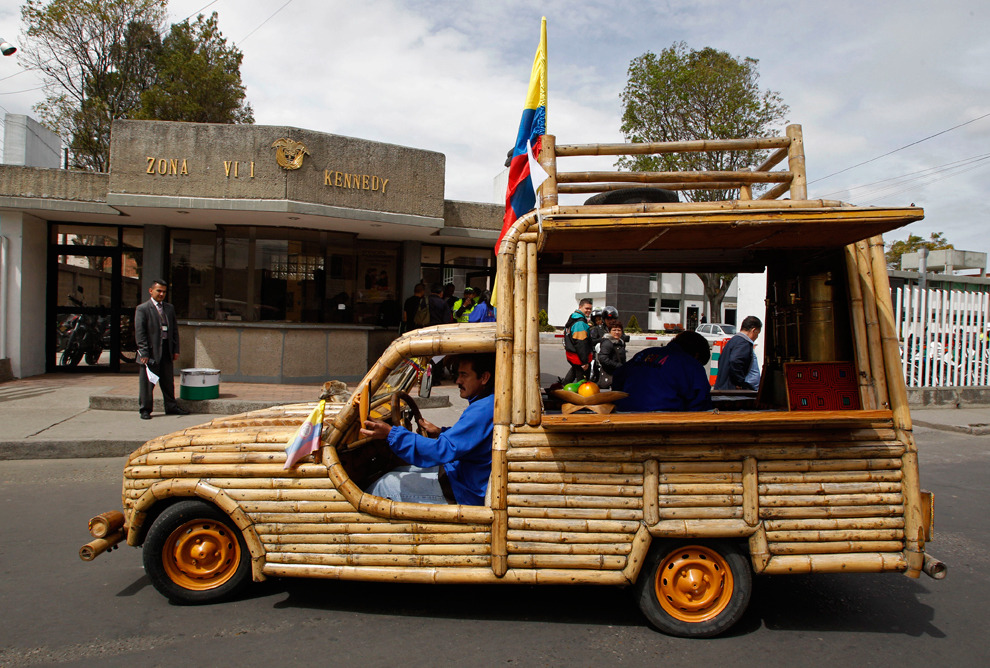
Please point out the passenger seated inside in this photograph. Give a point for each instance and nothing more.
(450, 464)
(668, 378)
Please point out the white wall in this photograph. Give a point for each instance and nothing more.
(751, 301)
(30, 144)
(25, 282)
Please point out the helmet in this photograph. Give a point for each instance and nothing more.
(610, 312)
(596, 313)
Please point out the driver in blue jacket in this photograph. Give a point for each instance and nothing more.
(450, 464)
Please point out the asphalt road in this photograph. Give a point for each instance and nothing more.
(59, 610)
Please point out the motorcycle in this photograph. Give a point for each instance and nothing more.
(85, 340)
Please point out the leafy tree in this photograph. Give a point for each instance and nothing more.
(683, 94)
(93, 58)
(199, 78)
(913, 244)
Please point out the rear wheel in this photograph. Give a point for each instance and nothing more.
(694, 590)
(194, 554)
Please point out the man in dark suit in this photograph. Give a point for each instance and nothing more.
(158, 346)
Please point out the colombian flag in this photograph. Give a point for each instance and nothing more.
(307, 438)
(520, 196)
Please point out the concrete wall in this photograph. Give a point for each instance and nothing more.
(281, 353)
(203, 160)
(30, 144)
(24, 321)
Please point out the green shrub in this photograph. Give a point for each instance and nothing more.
(543, 321)
(633, 326)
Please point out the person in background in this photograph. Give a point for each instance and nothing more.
(611, 356)
(483, 310)
(596, 327)
(412, 306)
(671, 378)
(440, 313)
(462, 307)
(448, 295)
(610, 315)
(738, 368)
(157, 337)
(577, 343)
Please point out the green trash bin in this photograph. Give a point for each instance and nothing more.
(197, 384)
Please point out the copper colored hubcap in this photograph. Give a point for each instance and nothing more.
(201, 554)
(694, 584)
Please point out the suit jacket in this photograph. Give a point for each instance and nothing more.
(148, 330)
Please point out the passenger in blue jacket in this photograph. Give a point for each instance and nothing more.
(671, 378)
(450, 464)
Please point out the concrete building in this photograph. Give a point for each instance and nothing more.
(288, 251)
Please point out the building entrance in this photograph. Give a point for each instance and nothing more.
(94, 285)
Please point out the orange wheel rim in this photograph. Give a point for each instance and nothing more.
(201, 554)
(694, 584)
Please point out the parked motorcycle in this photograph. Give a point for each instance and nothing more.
(85, 340)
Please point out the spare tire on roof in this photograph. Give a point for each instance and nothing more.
(633, 196)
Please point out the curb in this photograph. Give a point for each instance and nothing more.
(971, 429)
(81, 449)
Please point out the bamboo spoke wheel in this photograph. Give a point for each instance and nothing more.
(195, 554)
(694, 590)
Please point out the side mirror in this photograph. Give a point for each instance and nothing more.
(426, 382)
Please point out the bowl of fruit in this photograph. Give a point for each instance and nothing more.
(586, 394)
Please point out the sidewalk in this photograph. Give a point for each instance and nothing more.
(65, 415)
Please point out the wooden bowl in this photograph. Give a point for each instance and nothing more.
(607, 397)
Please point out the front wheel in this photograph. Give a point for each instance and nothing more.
(696, 589)
(194, 554)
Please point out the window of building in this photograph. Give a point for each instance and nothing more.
(458, 265)
(670, 306)
(285, 275)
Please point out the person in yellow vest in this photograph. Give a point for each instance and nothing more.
(464, 306)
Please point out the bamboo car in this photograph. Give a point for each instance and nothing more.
(685, 507)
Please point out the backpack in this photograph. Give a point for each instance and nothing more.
(422, 317)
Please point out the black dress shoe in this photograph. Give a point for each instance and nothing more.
(145, 416)
(177, 411)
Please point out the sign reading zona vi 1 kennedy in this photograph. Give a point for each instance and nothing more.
(248, 162)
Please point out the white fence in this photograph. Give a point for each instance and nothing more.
(943, 337)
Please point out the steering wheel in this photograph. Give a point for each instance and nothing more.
(399, 417)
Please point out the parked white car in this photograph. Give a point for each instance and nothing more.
(716, 331)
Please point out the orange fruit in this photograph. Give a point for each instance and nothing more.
(588, 389)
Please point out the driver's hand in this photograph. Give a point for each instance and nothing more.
(376, 429)
(428, 427)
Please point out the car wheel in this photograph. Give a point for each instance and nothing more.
(194, 554)
(695, 589)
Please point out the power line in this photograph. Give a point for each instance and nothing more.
(914, 143)
(896, 181)
(264, 22)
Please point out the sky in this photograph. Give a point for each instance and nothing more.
(903, 87)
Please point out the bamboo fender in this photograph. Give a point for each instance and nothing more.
(199, 489)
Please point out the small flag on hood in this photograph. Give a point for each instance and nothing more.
(307, 438)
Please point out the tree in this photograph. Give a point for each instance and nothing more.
(105, 59)
(683, 95)
(92, 55)
(199, 78)
(913, 244)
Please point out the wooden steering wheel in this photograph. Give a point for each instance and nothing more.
(398, 417)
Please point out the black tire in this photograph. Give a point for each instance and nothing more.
(634, 196)
(706, 587)
(93, 357)
(128, 356)
(178, 566)
(71, 355)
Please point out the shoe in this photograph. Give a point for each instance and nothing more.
(177, 411)
(145, 416)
